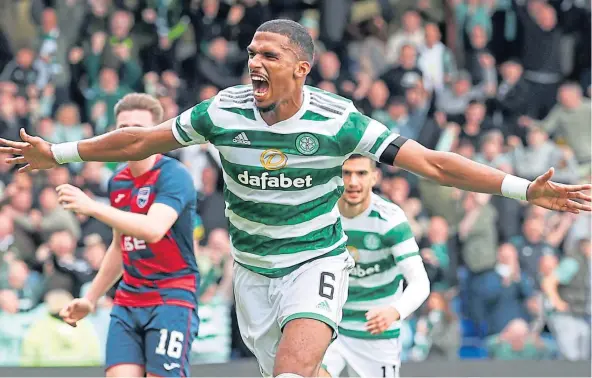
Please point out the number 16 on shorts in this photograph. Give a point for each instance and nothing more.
(174, 347)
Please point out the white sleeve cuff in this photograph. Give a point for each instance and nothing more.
(418, 287)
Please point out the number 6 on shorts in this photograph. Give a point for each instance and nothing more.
(326, 288)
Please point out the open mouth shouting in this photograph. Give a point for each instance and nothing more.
(260, 87)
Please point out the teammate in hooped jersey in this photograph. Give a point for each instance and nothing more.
(154, 320)
(382, 243)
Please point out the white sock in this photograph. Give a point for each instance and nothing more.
(288, 375)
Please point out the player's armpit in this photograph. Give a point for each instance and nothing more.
(129, 143)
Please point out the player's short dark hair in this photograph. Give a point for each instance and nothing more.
(358, 156)
(296, 33)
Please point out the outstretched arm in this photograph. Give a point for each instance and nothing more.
(125, 144)
(128, 143)
(451, 169)
(375, 140)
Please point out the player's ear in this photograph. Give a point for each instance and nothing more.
(302, 69)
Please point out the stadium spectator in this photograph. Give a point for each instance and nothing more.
(27, 284)
(406, 74)
(477, 233)
(411, 34)
(541, 60)
(570, 120)
(51, 342)
(6, 237)
(436, 61)
(215, 264)
(568, 290)
(210, 203)
(436, 256)
(25, 70)
(531, 245)
(511, 99)
(491, 146)
(437, 335)
(455, 98)
(515, 342)
(540, 152)
(506, 293)
(63, 269)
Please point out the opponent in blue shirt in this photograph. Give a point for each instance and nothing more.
(154, 320)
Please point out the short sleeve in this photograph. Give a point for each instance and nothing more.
(567, 269)
(175, 187)
(194, 125)
(372, 137)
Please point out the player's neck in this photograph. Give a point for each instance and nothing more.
(138, 168)
(284, 109)
(351, 211)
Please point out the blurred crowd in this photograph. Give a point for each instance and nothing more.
(503, 82)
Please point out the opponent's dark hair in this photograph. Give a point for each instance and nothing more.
(296, 33)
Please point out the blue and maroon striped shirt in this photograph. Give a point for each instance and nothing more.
(164, 272)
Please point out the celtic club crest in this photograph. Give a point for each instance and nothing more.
(371, 241)
(307, 144)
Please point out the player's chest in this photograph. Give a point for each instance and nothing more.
(305, 137)
(366, 235)
(306, 144)
(132, 198)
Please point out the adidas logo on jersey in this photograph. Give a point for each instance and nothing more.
(360, 272)
(242, 139)
(324, 305)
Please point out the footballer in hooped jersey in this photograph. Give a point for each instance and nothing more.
(292, 266)
(384, 248)
(154, 320)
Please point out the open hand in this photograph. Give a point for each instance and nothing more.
(380, 319)
(559, 197)
(76, 310)
(32, 151)
(72, 198)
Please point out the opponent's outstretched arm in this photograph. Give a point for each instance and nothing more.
(125, 144)
(451, 169)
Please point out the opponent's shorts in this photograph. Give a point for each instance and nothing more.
(157, 337)
(316, 290)
(363, 357)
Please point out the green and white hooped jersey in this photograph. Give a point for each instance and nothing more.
(378, 239)
(282, 182)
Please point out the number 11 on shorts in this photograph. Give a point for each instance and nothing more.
(387, 369)
(175, 344)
